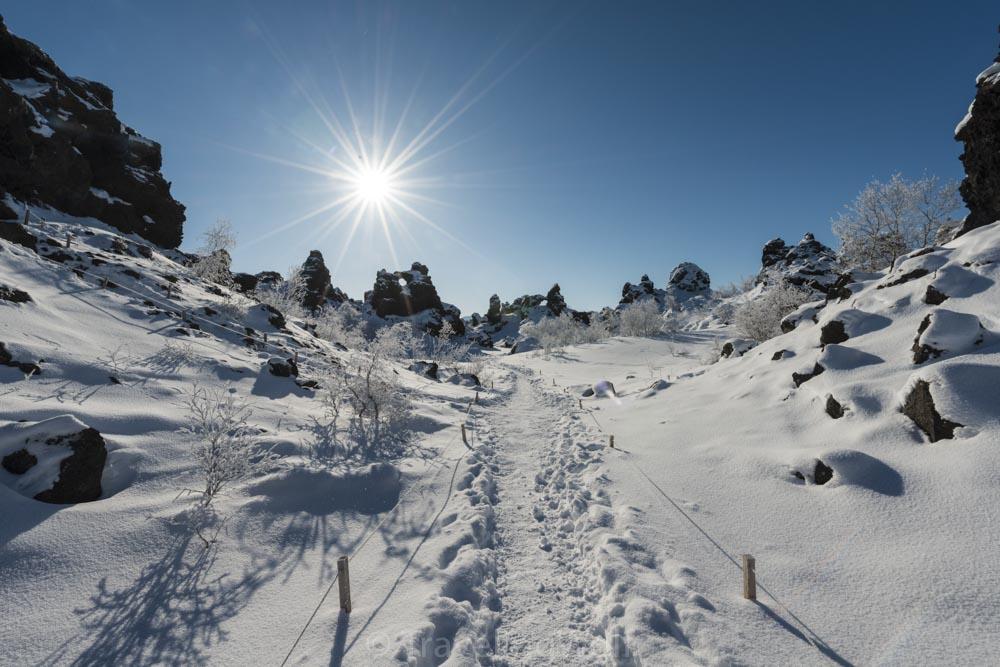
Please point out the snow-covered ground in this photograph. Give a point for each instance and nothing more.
(535, 543)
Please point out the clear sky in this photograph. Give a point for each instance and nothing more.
(581, 142)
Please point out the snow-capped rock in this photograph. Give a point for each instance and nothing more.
(688, 279)
(65, 148)
(808, 263)
(979, 133)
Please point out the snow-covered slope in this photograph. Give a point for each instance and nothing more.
(882, 554)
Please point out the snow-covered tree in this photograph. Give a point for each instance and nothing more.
(214, 258)
(219, 422)
(286, 295)
(760, 318)
(641, 319)
(889, 219)
(375, 402)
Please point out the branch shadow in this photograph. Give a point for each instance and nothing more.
(170, 614)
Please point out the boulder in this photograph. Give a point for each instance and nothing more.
(773, 253)
(800, 378)
(282, 368)
(14, 295)
(945, 331)
(425, 368)
(934, 297)
(979, 133)
(919, 406)
(58, 460)
(65, 147)
(601, 389)
(26, 367)
(833, 407)
(737, 347)
(833, 332)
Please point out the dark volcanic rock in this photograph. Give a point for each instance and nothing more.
(16, 233)
(689, 277)
(63, 145)
(905, 278)
(774, 252)
(425, 368)
(832, 333)
(554, 301)
(800, 378)
(777, 356)
(283, 368)
(833, 407)
(14, 295)
(80, 473)
(19, 462)
(409, 293)
(922, 353)
(822, 473)
(839, 289)
(632, 293)
(7, 359)
(318, 289)
(934, 297)
(493, 313)
(980, 136)
(919, 406)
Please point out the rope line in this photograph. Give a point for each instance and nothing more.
(162, 302)
(372, 533)
(812, 637)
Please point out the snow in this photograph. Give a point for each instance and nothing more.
(989, 76)
(29, 88)
(103, 194)
(532, 541)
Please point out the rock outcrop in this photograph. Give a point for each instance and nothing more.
(319, 291)
(554, 301)
(411, 294)
(809, 263)
(979, 133)
(64, 147)
(689, 278)
(632, 293)
(919, 406)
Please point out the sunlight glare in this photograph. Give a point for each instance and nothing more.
(373, 185)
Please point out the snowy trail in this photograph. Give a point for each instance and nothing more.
(546, 595)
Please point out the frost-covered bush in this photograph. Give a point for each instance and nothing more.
(286, 296)
(887, 220)
(223, 445)
(341, 324)
(736, 287)
(214, 258)
(370, 394)
(640, 319)
(760, 319)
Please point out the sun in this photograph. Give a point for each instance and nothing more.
(373, 185)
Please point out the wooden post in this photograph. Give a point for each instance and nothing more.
(296, 357)
(69, 239)
(553, 382)
(475, 401)
(170, 289)
(491, 384)
(265, 336)
(344, 580)
(464, 438)
(581, 403)
(749, 577)
(27, 212)
(612, 441)
(104, 283)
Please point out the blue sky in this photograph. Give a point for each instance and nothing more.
(599, 140)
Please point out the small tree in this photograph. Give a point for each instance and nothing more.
(214, 259)
(889, 219)
(641, 319)
(286, 295)
(223, 439)
(760, 319)
(379, 407)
